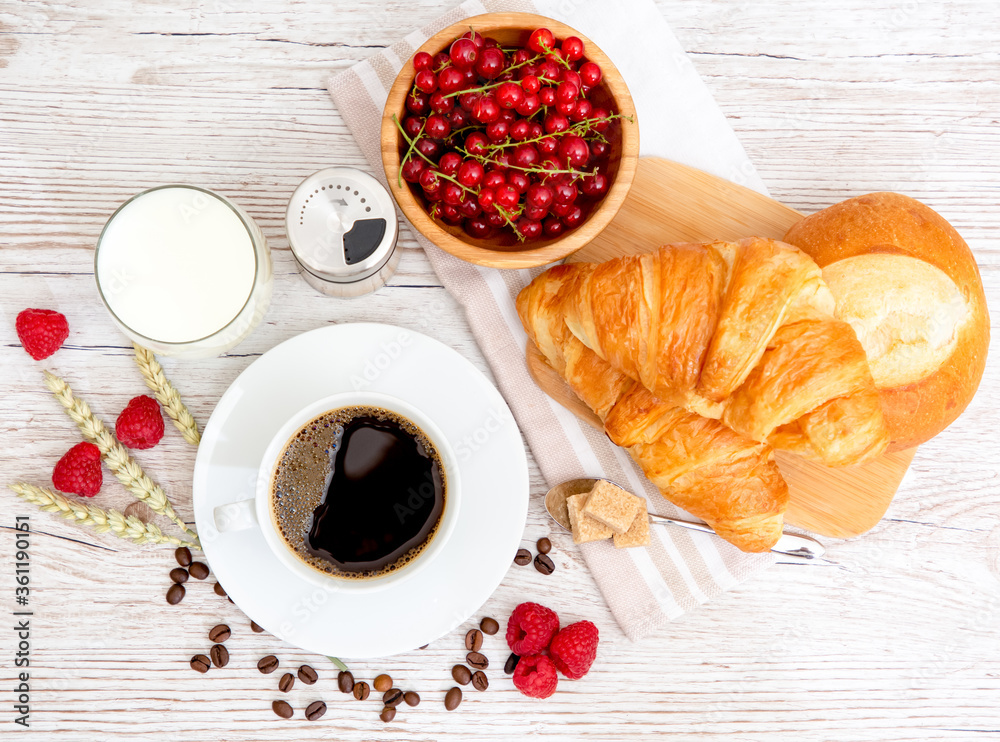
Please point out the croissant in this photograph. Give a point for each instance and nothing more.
(726, 479)
(700, 359)
(743, 332)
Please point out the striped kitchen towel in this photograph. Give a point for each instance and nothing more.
(678, 120)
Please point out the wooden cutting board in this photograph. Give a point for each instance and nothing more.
(670, 202)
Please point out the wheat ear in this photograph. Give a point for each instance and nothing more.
(166, 394)
(116, 456)
(102, 521)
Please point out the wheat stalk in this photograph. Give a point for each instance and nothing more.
(116, 456)
(102, 521)
(166, 394)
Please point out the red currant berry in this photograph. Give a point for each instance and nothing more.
(561, 210)
(571, 76)
(553, 227)
(469, 206)
(535, 212)
(573, 149)
(437, 127)
(430, 179)
(519, 131)
(463, 53)
(599, 116)
(598, 149)
(417, 102)
(449, 163)
(494, 179)
(501, 161)
(547, 96)
(476, 143)
(441, 103)
(529, 105)
(590, 73)
(566, 91)
(412, 125)
(496, 219)
(506, 197)
(508, 116)
(491, 63)
(529, 229)
(566, 107)
(525, 156)
(486, 109)
(565, 193)
(441, 60)
(498, 130)
(489, 42)
(429, 148)
(470, 174)
(509, 95)
(573, 217)
(475, 37)
(478, 228)
(555, 123)
(412, 169)
(530, 84)
(458, 117)
(536, 130)
(548, 70)
(539, 195)
(422, 61)
(450, 79)
(450, 214)
(471, 77)
(541, 40)
(547, 145)
(581, 112)
(453, 194)
(518, 181)
(521, 56)
(426, 81)
(594, 186)
(572, 48)
(485, 198)
(469, 100)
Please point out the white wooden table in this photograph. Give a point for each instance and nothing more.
(897, 639)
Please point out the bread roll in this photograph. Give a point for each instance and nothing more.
(908, 284)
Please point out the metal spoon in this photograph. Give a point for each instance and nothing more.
(555, 503)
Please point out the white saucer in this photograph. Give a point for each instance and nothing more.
(492, 464)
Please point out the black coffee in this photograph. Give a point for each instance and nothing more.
(358, 492)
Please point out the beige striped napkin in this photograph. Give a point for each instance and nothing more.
(678, 119)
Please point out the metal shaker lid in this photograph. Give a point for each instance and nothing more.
(341, 225)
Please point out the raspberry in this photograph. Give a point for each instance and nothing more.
(41, 331)
(574, 649)
(79, 471)
(530, 628)
(140, 424)
(535, 676)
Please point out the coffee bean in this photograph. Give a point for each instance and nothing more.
(286, 682)
(201, 663)
(474, 640)
(255, 628)
(175, 594)
(198, 570)
(345, 681)
(511, 663)
(544, 546)
(268, 664)
(477, 660)
(544, 565)
(282, 709)
(388, 714)
(361, 690)
(179, 575)
(522, 557)
(183, 556)
(489, 626)
(219, 655)
(392, 697)
(382, 683)
(411, 697)
(307, 675)
(220, 633)
(315, 710)
(452, 698)
(219, 591)
(462, 674)
(480, 681)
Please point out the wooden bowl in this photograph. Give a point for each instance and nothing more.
(503, 250)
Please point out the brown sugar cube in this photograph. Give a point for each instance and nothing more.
(584, 529)
(612, 506)
(638, 532)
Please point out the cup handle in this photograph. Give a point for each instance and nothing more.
(236, 516)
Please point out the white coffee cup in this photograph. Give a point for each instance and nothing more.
(258, 513)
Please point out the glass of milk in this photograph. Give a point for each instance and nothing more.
(184, 271)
